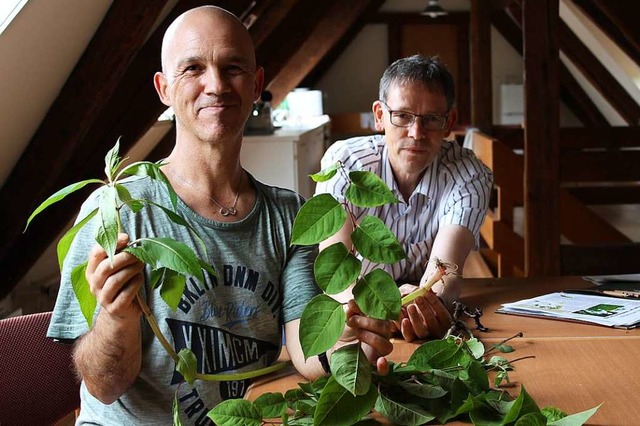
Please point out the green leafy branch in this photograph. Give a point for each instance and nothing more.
(170, 261)
(443, 380)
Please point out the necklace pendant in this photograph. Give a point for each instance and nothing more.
(231, 211)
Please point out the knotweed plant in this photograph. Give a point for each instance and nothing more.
(171, 262)
(443, 380)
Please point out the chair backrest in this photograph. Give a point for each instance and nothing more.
(38, 385)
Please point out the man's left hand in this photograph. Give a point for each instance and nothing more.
(375, 335)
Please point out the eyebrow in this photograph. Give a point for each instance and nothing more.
(236, 59)
(421, 115)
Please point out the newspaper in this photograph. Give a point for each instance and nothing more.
(602, 310)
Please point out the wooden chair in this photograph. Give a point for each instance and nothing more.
(38, 385)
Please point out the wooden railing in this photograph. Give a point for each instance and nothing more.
(597, 167)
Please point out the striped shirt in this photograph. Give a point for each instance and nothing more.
(454, 190)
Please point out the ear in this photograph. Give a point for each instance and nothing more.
(161, 84)
(258, 84)
(378, 115)
(451, 121)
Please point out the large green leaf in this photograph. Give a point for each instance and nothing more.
(152, 170)
(471, 403)
(65, 242)
(236, 412)
(337, 406)
(59, 195)
(400, 413)
(435, 354)
(164, 252)
(112, 161)
(376, 242)
(553, 414)
(318, 219)
(126, 198)
(107, 235)
(350, 368)
(86, 299)
(368, 190)
(207, 267)
(271, 404)
(532, 419)
(477, 380)
(326, 173)
(187, 365)
(172, 287)
(523, 404)
(378, 296)
(321, 325)
(423, 390)
(179, 220)
(476, 348)
(576, 419)
(335, 268)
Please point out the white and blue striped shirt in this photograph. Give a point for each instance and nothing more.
(454, 190)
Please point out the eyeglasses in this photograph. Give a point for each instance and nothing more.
(406, 119)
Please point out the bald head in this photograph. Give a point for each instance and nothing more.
(209, 75)
(211, 20)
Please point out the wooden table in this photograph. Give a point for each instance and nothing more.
(576, 366)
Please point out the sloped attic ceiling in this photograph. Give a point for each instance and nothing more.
(109, 93)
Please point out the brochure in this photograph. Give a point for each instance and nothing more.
(590, 308)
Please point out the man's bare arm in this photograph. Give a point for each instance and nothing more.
(452, 245)
(108, 357)
(428, 316)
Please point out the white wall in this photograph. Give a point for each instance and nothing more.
(38, 50)
(351, 85)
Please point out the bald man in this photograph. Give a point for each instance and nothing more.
(232, 322)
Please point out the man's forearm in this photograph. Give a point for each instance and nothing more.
(108, 358)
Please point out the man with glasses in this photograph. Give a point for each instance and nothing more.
(442, 188)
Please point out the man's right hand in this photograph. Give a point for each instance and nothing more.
(116, 285)
(425, 317)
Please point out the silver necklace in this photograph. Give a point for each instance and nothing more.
(224, 211)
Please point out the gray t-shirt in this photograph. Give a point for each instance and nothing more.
(232, 322)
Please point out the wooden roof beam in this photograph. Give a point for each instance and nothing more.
(618, 20)
(296, 48)
(268, 19)
(541, 148)
(481, 80)
(83, 97)
(598, 75)
(509, 24)
(109, 94)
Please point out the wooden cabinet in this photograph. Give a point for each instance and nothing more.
(287, 157)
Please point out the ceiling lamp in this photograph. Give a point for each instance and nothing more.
(433, 9)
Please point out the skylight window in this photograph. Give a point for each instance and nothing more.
(8, 10)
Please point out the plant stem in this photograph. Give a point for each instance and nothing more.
(521, 358)
(241, 376)
(210, 377)
(493, 348)
(156, 329)
(441, 271)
